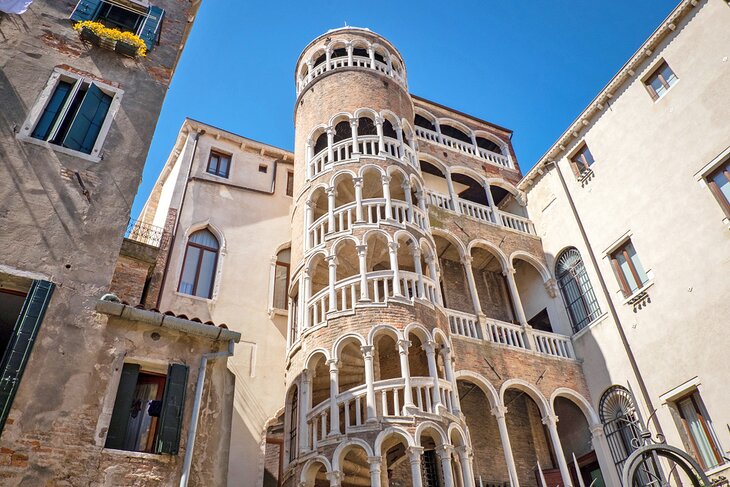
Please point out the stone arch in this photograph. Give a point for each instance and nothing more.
(456, 429)
(490, 247)
(483, 134)
(418, 330)
(430, 425)
(493, 396)
(341, 341)
(339, 454)
(391, 431)
(212, 228)
(534, 261)
(585, 406)
(452, 239)
(339, 117)
(383, 329)
(313, 356)
(530, 390)
(310, 470)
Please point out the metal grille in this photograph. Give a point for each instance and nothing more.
(576, 289)
(429, 466)
(144, 233)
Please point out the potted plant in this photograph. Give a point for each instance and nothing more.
(125, 43)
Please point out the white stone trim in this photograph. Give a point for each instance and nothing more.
(681, 390)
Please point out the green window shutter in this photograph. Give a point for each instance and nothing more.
(122, 407)
(150, 30)
(86, 10)
(171, 417)
(53, 108)
(87, 123)
(21, 343)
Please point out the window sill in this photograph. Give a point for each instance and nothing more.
(590, 325)
(278, 312)
(639, 295)
(197, 298)
(720, 468)
(139, 454)
(58, 148)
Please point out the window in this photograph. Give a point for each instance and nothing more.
(577, 291)
(148, 409)
(293, 423)
(219, 164)
(290, 183)
(629, 271)
(199, 265)
(263, 168)
(719, 183)
(74, 115)
(281, 279)
(22, 307)
(128, 16)
(621, 424)
(582, 160)
(659, 82)
(699, 430)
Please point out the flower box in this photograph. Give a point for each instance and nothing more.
(126, 49)
(125, 43)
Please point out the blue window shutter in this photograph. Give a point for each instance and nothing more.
(150, 30)
(50, 114)
(122, 406)
(86, 10)
(87, 123)
(21, 343)
(171, 417)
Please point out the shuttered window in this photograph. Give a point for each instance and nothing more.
(21, 342)
(148, 410)
(145, 22)
(74, 115)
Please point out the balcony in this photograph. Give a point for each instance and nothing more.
(144, 233)
(353, 61)
(464, 147)
(389, 402)
(510, 335)
(349, 294)
(480, 212)
(367, 145)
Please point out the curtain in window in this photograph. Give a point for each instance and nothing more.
(576, 289)
(201, 256)
(281, 279)
(696, 429)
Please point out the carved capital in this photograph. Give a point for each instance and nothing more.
(393, 246)
(330, 131)
(403, 346)
(361, 250)
(354, 122)
(499, 411)
(550, 420)
(333, 363)
(551, 286)
(429, 347)
(414, 454)
(357, 181)
(367, 351)
(331, 260)
(385, 179)
(467, 260)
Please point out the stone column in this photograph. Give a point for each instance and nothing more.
(434, 275)
(512, 285)
(466, 261)
(430, 348)
(421, 201)
(374, 463)
(499, 413)
(444, 453)
(457, 471)
(331, 202)
(371, 53)
(332, 266)
(603, 452)
(389, 63)
(438, 131)
(416, 253)
(386, 194)
(381, 138)
(405, 372)
(393, 254)
(399, 136)
(367, 353)
(474, 144)
(305, 295)
(328, 59)
(309, 148)
(496, 217)
(310, 71)
(335, 479)
(308, 220)
(334, 390)
(414, 457)
(465, 456)
(357, 183)
(409, 201)
(349, 54)
(355, 142)
(551, 421)
(330, 145)
(449, 371)
(362, 251)
(302, 429)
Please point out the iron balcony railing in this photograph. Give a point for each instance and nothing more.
(144, 233)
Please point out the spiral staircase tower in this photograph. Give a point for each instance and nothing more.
(371, 389)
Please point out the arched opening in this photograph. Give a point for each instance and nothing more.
(506, 201)
(455, 133)
(425, 123)
(319, 57)
(355, 467)
(396, 463)
(318, 201)
(576, 439)
(344, 202)
(343, 131)
(397, 191)
(315, 475)
(494, 297)
(417, 358)
(536, 302)
(453, 283)
(340, 50)
(346, 274)
(351, 374)
(380, 284)
(387, 366)
(320, 376)
(436, 185)
(489, 145)
(407, 254)
(576, 289)
(320, 141)
(291, 439)
(469, 189)
(319, 205)
(530, 440)
(488, 463)
(367, 136)
(432, 466)
(318, 412)
(373, 205)
(317, 303)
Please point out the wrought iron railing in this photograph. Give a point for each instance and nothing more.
(144, 233)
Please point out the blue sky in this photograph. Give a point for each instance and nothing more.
(528, 65)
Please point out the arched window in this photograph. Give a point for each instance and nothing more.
(293, 424)
(198, 270)
(623, 429)
(578, 295)
(281, 279)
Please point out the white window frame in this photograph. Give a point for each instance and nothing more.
(702, 175)
(40, 105)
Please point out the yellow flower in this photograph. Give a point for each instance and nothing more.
(114, 34)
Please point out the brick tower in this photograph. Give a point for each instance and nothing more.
(409, 244)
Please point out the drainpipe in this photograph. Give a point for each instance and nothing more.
(193, 428)
(611, 307)
(177, 219)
